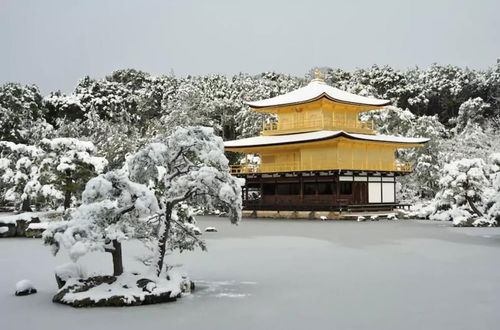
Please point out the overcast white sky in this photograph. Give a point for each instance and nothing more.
(53, 43)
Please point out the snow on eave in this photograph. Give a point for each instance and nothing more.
(271, 140)
(315, 90)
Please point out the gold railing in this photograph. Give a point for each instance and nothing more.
(272, 126)
(244, 169)
(397, 166)
(320, 124)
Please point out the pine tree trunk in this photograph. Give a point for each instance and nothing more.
(67, 193)
(26, 207)
(116, 253)
(162, 241)
(67, 199)
(473, 207)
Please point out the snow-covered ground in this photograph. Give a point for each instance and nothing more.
(272, 274)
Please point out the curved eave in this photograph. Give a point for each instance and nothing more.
(341, 134)
(322, 95)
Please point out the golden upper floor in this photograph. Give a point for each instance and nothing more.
(317, 107)
(321, 114)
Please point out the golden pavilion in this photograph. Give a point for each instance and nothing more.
(318, 155)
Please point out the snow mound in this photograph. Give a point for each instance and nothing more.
(27, 216)
(392, 216)
(24, 288)
(70, 270)
(38, 225)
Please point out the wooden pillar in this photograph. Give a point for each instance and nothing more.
(261, 200)
(301, 180)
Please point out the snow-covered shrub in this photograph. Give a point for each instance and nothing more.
(462, 187)
(19, 167)
(471, 112)
(493, 200)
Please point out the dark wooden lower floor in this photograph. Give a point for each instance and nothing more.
(320, 191)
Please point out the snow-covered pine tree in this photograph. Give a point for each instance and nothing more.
(23, 113)
(68, 164)
(188, 166)
(113, 210)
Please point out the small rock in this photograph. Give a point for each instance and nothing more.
(21, 226)
(211, 229)
(150, 287)
(35, 229)
(187, 286)
(143, 283)
(7, 230)
(24, 288)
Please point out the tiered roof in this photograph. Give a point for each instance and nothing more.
(315, 90)
(263, 141)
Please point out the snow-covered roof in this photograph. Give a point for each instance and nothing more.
(262, 141)
(314, 90)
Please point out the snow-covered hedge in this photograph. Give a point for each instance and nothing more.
(469, 193)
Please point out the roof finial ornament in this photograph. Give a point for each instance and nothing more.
(318, 76)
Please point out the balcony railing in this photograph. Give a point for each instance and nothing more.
(321, 124)
(397, 166)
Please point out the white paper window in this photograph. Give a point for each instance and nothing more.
(374, 192)
(388, 192)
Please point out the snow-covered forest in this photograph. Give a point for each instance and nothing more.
(52, 145)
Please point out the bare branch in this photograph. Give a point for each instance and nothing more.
(181, 199)
(202, 244)
(178, 155)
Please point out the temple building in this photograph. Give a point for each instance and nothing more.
(318, 155)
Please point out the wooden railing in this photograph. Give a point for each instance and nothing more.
(272, 128)
(397, 166)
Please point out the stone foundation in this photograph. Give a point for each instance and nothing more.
(318, 215)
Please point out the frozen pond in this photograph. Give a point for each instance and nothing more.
(294, 274)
